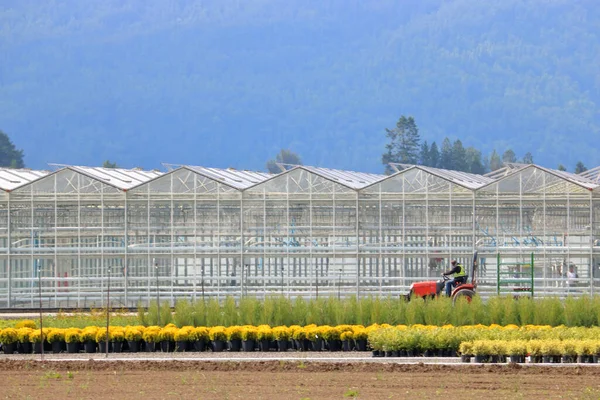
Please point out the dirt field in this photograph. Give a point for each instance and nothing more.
(290, 380)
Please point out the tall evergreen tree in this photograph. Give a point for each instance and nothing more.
(495, 161)
(509, 156)
(527, 158)
(285, 156)
(459, 157)
(561, 168)
(486, 164)
(434, 155)
(473, 160)
(424, 157)
(108, 164)
(10, 157)
(579, 168)
(446, 155)
(404, 143)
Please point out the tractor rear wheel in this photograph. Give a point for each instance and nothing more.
(468, 294)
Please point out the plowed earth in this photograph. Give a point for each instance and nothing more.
(297, 380)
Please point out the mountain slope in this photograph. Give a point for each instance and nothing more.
(229, 83)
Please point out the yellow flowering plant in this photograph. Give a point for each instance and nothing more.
(8, 336)
(200, 333)
(73, 335)
(217, 333)
(24, 335)
(26, 323)
(282, 333)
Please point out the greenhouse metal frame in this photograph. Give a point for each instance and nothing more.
(197, 233)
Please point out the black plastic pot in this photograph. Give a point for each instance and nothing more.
(317, 344)
(150, 347)
(568, 359)
(37, 348)
(102, 347)
(89, 346)
(73, 347)
(57, 347)
(199, 345)
(582, 359)
(9, 348)
(335, 345)
(361, 344)
(117, 347)
(134, 346)
(346, 345)
(167, 346)
(181, 346)
(465, 358)
(235, 344)
(282, 345)
(516, 359)
(248, 345)
(481, 358)
(264, 345)
(218, 345)
(26, 347)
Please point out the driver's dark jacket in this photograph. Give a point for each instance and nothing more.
(454, 270)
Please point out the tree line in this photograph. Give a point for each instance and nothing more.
(405, 147)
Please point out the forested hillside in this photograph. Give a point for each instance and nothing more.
(230, 83)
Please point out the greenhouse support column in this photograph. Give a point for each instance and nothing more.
(379, 247)
(427, 220)
(334, 239)
(8, 255)
(56, 273)
(78, 243)
(473, 236)
(520, 216)
(591, 244)
(125, 248)
(172, 245)
(194, 281)
(357, 249)
(242, 244)
(497, 219)
(101, 244)
(34, 264)
(310, 236)
(264, 240)
(566, 237)
(218, 243)
(287, 246)
(545, 242)
(450, 231)
(150, 265)
(403, 231)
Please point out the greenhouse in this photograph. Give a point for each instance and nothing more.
(71, 235)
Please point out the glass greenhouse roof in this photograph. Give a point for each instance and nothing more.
(465, 179)
(120, 178)
(13, 178)
(238, 179)
(352, 179)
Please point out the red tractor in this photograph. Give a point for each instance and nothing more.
(435, 288)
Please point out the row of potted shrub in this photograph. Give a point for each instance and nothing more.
(546, 351)
(491, 341)
(27, 339)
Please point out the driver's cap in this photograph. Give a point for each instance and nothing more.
(453, 262)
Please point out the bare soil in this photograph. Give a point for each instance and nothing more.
(290, 380)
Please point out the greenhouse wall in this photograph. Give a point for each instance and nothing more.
(195, 233)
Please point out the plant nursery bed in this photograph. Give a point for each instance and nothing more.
(289, 380)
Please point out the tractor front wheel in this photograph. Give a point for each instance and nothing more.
(468, 294)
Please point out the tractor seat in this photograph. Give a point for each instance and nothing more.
(461, 280)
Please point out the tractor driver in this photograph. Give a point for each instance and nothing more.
(460, 274)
